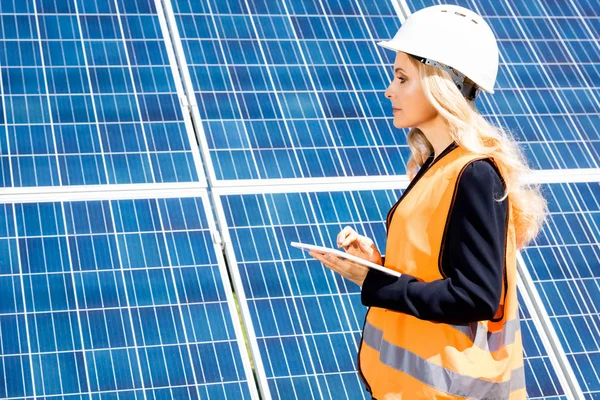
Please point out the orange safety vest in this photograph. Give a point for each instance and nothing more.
(403, 357)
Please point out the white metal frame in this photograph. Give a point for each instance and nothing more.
(242, 299)
(236, 322)
(189, 98)
(182, 95)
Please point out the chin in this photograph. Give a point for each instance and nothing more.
(400, 124)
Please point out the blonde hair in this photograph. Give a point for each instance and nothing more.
(470, 130)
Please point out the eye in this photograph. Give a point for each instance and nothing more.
(402, 80)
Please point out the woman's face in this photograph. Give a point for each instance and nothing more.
(410, 106)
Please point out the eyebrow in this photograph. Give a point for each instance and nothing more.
(399, 69)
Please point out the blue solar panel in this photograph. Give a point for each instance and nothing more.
(116, 299)
(564, 262)
(89, 97)
(540, 374)
(547, 88)
(306, 320)
(293, 89)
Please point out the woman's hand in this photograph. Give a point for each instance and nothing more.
(358, 245)
(348, 269)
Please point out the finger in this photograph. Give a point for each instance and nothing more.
(350, 239)
(343, 234)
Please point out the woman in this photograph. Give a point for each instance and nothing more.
(448, 327)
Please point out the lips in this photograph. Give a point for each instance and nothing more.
(395, 110)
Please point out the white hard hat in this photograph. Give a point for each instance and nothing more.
(453, 36)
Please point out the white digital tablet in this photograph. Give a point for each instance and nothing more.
(342, 254)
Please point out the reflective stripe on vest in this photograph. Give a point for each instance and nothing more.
(437, 376)
(490, 341)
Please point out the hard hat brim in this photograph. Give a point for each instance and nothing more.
(391, 45)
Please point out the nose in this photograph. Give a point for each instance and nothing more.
(388, 91)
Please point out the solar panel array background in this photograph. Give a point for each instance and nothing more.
(125, 298)
(307, 320)
(115, 299)
(88, 96)
(565, 261)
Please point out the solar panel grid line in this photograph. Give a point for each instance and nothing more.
(272, 81)
(201, 12)
(55, 331)
(355, 89)
(89, 79)
(563, 176)
(383, 65)
(286, 279)
(193, 328)
(173, 45)
(556, 234)
(136, 97)
(345, 312)
(310, 78)
(523, 95)
(77, 310)
(308, 64)
(575, 64)
(37, 357)
(48, 103)
(575, 203)
(86, 310)
(583, 22)
(179, 303)
(10, 167)
(402, 9)
(351, 81)
(191, 91)
(128, 309)
(52, 122)
(385, 182)
(26, 321)
(308, 75)
(548, 335)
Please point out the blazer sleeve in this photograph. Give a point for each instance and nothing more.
(472, 262)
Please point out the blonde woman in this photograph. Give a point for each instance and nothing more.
(448, 328)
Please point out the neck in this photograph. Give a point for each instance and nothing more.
(438, 134)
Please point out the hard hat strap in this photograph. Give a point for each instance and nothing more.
(469, 90)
